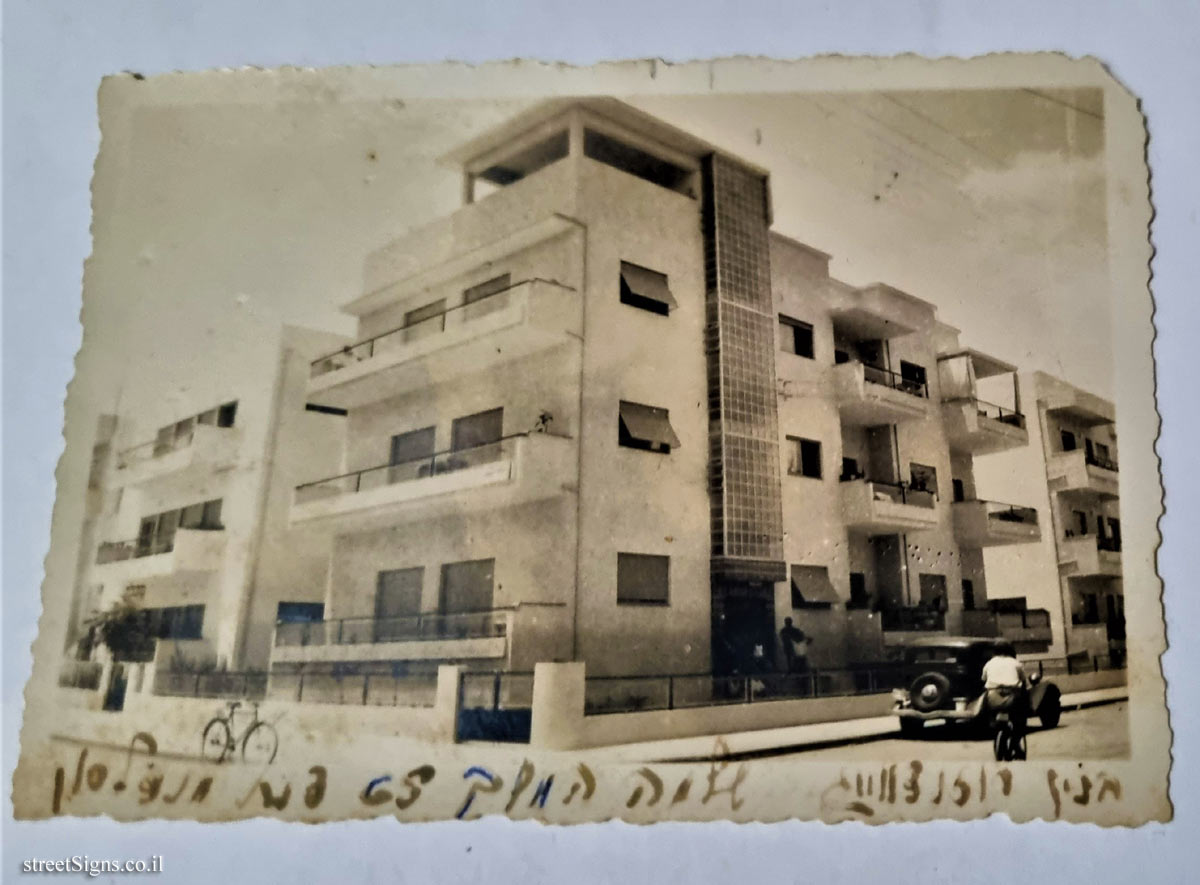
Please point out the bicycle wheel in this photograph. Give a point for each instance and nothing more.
(260, 744)
(1000, 745)
(217, 741)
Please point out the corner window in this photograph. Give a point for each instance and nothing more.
(486, 297)
(643, 579)
(226, 414)
(1068, 441)
(212, 515)
(804, 457)
(646, 427)
(811, 587)
(635, 161)
(646, 289)
(797, 336)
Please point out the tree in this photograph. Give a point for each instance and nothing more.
(126, 630)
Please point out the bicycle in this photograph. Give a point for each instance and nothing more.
(259, 740)
(1008, 741)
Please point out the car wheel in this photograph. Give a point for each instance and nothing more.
(911, 728)
(929, 692)
(1050, 712)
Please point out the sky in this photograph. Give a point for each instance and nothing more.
(224, 215)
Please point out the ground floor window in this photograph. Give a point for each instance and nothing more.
(643, 579)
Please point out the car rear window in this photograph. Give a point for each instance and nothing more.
(938, 655)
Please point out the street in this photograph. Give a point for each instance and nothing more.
(1100, 732)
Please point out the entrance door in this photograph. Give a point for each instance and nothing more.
(114, 698)
(744, 630)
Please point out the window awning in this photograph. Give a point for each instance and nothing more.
(648, 284)
(648, 424)
(811, 583)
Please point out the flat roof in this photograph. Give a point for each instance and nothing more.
(985, 364)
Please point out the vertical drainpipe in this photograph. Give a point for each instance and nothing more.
(575, 154)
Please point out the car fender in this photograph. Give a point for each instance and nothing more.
(1041, 692)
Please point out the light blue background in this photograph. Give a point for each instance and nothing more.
(55, 52)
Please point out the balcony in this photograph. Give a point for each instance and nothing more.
(869, 395)
(523, 319)
(1085, 556)
(914, 619)
(512, 471)
(977, 427)
(190, 551)
(1079, 472)
(991, 524)
(880, 508)
(205, 449)
(1028, 627)
(466, 635)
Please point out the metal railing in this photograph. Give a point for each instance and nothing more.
(1010, 512)
(415, 331)
(80, 674)
(118, 551)
(495, 690)
(911, 618)
(359, 689)
(1098, 461)
(894, 380)
(897, 492)
(630, 694)
(434, 464)
(1108, 544)
(432, 626)
(213, 684)
(1003, 414)
(1028, 619)
(1075, 664)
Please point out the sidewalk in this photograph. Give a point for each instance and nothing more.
(820, 734)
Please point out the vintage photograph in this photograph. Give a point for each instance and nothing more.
(731, 440)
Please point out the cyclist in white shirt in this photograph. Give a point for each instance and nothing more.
(1005, 682)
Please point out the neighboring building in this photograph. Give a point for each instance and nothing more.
(1070, 471)
(602, 414)
(187, 512)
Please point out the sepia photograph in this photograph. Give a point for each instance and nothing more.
(736, 440)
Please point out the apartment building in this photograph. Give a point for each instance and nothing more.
(601, 413)
(1070, 471)
(187, 512)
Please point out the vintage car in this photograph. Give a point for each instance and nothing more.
(944, 679)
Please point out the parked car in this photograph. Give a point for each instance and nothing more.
(944, 679)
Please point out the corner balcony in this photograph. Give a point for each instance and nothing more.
(880, 508)
(207, 448)
(429, 637)
(978, 428)
(1027, 627)
(191, 551)
(992, 524)
(523, 319)
(1086, 556)
(1078, 472)
(869, 395)
(512, 471)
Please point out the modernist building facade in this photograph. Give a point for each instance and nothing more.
(187, 513)
(602, 413)
(1070, 471)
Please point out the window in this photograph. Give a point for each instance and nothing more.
(913, 378)
(858, 591)
(428, 319)
(164, 533)
(1081, 521)
(192, 516)
(397, 602)
(647, 289)
(412, 446)
(1068, 441)
(176, 622)
(226, 414)
(797, 336)
(635, 161)
(467, 586)
(145, 538)
(643, 579)
(1114, 530)
(300, 612)
(804, 457)
(933, 591)
(960, 493)
(811, 587)
(850, 470)
(968, 588)
(480, 429)
(1100, 527)
(212, 515)
(208, 418)
(1102, 451)
(528, 161)
(478, 298)
(646, 427)
(923, 478)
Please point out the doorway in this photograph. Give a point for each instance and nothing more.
(743, 638)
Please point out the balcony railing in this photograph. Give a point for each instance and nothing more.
(214, 684)
(1032, 618)
(1003, 414)
(1097, 461)
(80, 674)
(425, 327)
(896, 492)
(427, 627)
(1010, 513)
(894, 380)
(433, 464)
(912, 618)
(138, 548)
(348, 685)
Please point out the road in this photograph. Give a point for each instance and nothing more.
(1100, 732)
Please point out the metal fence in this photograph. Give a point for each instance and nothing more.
(80, 674)
(213, 684)
(894, 380)
(1075, 664)
(1002, 414)
(355, 689)
(495, 690)
(626, 694)
(356, 631)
